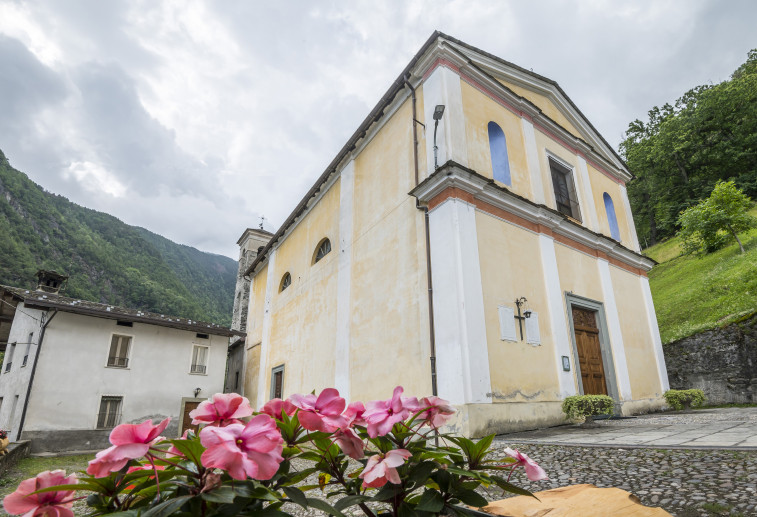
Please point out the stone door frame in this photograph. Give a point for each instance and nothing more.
(608, 363)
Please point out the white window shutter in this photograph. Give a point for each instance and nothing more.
(533, 337)
(506, 323)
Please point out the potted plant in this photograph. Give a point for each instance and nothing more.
(585, 407)
(386, 457)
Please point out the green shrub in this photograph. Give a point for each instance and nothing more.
(579, 406)
(679, 399)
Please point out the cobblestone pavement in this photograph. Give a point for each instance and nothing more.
(686, 483)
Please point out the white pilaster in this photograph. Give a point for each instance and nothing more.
(613, 326)
(587, 203)
(532, 159)
(662, 371)
(443, 87)
(270, 282)
(343, 308)
(557, 318)
(629, 218)
(460, 329)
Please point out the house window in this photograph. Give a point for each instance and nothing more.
(286, 281)
(323, 249)
(611, 217)
(9, 359)
(28, 347)
(118, 356)
(565, 190)
(498, 151)
(199, 359)
(202, 336)
(125, 323)
(110, 412)
(277, 382)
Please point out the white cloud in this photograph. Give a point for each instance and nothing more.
(191, 118)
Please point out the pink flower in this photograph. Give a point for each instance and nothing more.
(130, 441)
(51, 504)
(533, 470)
(438, 413)
(381, 415)
(223, 409)
(274, 407)
(350, 443)
(354, 414)
(252, 450)
(383, 467)
(323, 413)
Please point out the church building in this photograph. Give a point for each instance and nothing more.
(473, 239)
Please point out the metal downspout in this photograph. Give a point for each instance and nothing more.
(432, 337)
(34, 370)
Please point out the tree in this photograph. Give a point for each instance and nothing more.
(708, 226)
(683, 149)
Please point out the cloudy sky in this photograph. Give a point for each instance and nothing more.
(192, 118)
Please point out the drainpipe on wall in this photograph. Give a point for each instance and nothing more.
(34, 370)
(432, 338)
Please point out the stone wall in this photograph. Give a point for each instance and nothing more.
(16, 452)
(721, 362)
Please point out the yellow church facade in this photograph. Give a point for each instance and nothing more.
(472, 239)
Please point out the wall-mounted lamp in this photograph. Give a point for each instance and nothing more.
(438, 112)
(197, 391)
(522, 302)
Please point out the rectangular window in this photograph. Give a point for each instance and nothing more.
(28, 347)
(110, 412)
(118, 357)
(277, 382)
(9, 358)
(199, 359)
(565, 190)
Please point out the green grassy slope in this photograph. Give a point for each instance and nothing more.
(693, 294)
(108, 261)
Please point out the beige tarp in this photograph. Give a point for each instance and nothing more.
(575, 501)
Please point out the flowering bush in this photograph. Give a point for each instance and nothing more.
(386, 457)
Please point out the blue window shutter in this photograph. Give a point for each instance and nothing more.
(498, 149)
(611, 218)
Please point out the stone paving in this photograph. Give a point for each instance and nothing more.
(698, 463)
(729, 428)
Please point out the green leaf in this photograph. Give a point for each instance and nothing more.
(167, 507)
(222, 494)
(431, 501)
(509, 487)
(299, 476)
(350, 500)
(421, 472)
(296, 495)
(471, 498)
(192, 449)
(322, 505)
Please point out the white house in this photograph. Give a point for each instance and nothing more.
(74, 369)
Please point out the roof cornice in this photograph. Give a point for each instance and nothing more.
(454, 175)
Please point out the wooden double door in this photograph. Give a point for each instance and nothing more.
(589, 351)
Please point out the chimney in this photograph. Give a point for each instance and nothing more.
(50, 281)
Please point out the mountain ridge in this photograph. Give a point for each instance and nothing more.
(107, 260)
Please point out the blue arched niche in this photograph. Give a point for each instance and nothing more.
(611, 218)
(498, 149)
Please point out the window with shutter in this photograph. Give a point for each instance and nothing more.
(199, 359)
(118, 356)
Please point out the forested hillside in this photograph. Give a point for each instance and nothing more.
(108, 261)
(678, 155)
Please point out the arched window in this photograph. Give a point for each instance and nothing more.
(611, 218)
(286, 281)
(322, 250)
(498, 150)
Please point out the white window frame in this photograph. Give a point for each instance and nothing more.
(25, 360)
(274, 371)
(129, 353)
(192, 365)
(573, 182)
(118, 416)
